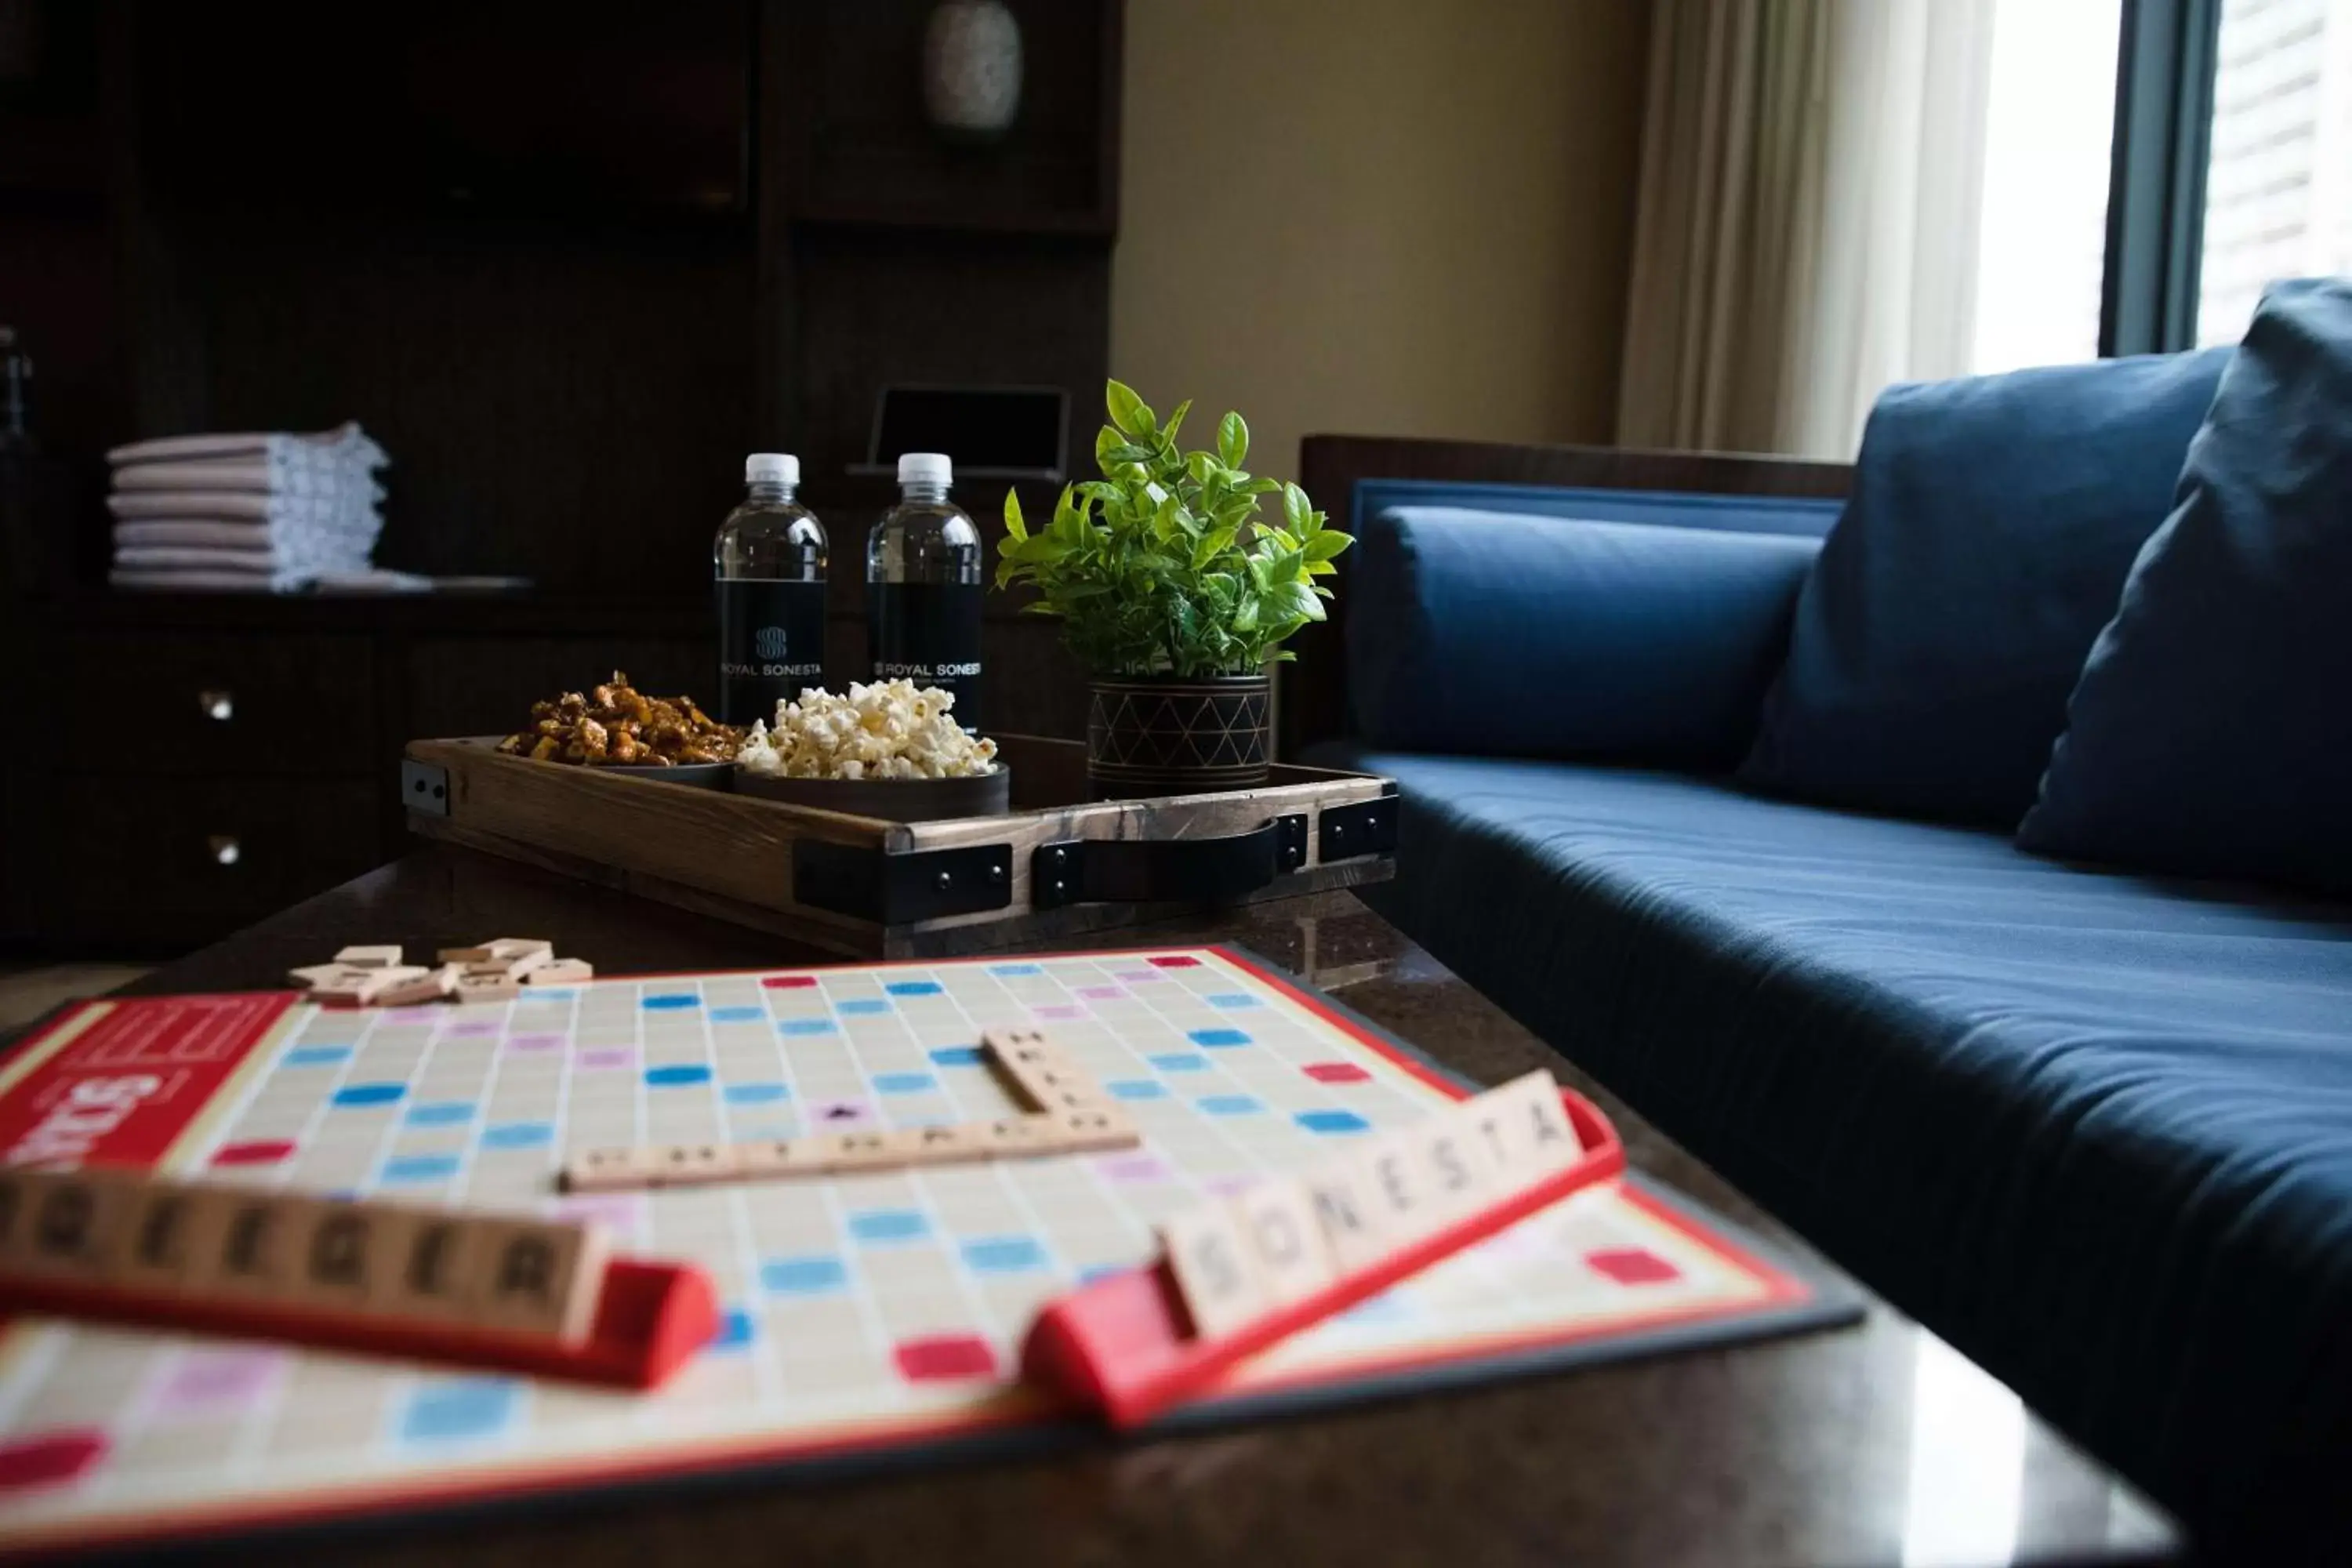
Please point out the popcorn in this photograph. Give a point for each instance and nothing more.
(889, 730)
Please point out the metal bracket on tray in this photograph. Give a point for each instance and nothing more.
(1165, 871)
(921, 885)
(1367, 827)
(424, 786)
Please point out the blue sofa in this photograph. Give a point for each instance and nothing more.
(2093, 1128)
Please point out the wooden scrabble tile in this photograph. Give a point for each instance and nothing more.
(337, 1257)
(311, 976)
(71, 1221)
(174, 1233)
(614, 1169)
(1286, 1245)
(511, 966)
(432, 985)
(256, 1243)
(382, 956)
(561, 971)
(1038, 1070)
(1213, 1269)
(1457, 1170)
(487, 988)
(1091, 1129)
(361, 987)
(17, 1200)
(1019, 1136)
(426, 1265)
(1396, 1185)
(1523, 1125)
(478, 954)
(510, 947)
(540, 1277)
(951, 1145)
(1355, 1228)
(772, 1159)
(693, 1164)
(857, 1151)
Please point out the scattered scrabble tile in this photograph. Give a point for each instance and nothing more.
(472, 987)
(561, 971)
(382, 956)
(430, 986)
(310, 976)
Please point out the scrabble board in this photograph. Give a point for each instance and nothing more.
(865, 1315)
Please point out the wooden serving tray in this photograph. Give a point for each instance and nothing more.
(1057, 865)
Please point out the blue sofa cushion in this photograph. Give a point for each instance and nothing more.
(1505, 633)
(2090, 1127)
(2212, 730)
(1991, 525)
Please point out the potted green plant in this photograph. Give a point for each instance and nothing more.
(1176, 597)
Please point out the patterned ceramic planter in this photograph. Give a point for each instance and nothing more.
(1177, 735)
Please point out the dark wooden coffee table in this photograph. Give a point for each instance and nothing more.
(1871, 1444)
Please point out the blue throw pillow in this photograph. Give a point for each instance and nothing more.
(1505, 634)
(2212, 731)
(1992, 523)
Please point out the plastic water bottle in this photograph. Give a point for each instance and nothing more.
(923, 587)
(768, 568)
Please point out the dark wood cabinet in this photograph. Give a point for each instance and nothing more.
(567, 268)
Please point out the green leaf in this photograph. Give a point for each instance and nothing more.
(1286, 567)
(1127, 411)
(1326, 544)
(1303, 601)
(1107, 440)
(1164, 519)
(1213, 545)
(1175, 423)
(1245, 613)
(1233, 440)
(1295, 509)
(1012, 523)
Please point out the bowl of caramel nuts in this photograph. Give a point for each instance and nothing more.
(615, 728)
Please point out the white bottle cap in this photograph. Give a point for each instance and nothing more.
(772, 467)
(924, 469)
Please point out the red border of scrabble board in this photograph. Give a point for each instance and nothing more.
(1020, 1412)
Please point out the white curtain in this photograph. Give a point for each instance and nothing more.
(1807, 231)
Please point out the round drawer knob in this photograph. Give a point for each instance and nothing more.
(219, 704)
(226, 850)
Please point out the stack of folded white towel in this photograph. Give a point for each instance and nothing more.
(267, 512)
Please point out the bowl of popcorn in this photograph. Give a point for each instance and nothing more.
(891, 750)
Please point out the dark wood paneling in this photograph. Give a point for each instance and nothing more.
(878, 309)
(864, 153)
(1313, 702)
(176, 703)
(485, 686)
(573, 412)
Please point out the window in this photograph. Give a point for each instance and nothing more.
(2278, 179)
(2041, 223)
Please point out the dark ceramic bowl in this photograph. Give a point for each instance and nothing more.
(694, 775)
(892, 800)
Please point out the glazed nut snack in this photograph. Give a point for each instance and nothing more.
(616, 725)
(889, 730)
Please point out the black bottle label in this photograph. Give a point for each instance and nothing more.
(771, 644)
(929, 633)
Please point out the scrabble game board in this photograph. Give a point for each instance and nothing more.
(865, 1314)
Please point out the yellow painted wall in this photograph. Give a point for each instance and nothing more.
(1401, 217)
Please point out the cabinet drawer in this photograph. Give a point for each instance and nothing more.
(145, 860)
(218, 704)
